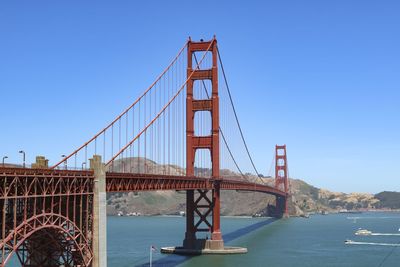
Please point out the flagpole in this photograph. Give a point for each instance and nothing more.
(151, 255)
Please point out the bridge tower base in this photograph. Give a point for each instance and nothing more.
(281, 207)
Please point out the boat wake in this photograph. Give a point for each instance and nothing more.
(365, 232)
(371, 217)
(384, 234)
(350, 242)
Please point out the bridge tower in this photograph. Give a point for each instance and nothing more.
(201, 204)
(281, 180)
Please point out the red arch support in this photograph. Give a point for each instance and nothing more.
(57, 202)
(48, 220)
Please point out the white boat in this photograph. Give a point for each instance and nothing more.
(363, 232)
(348, 241)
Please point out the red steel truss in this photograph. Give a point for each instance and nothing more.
(46, 217)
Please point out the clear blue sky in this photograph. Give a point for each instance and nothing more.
(321, 76)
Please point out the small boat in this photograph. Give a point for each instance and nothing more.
(350, 211)
(363, 232)
(354, 212)
(348, 241)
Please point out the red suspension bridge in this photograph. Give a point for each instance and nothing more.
(182, 133)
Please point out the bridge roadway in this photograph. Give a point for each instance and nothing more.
(48, 181)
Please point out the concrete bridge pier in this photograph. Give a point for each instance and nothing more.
(281, 208)
(99, 213)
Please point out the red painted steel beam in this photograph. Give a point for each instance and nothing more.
(202, 105)
(202, 75)
(202, 142)
(199, 46)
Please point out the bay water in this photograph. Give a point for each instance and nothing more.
(316, 241)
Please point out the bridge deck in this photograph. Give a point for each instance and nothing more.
(126, 182)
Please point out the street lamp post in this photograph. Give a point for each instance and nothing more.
(65, 162)
(5, 157)
(23, 158)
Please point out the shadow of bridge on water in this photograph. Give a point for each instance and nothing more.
(174, 260)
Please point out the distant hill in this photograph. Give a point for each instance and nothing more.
(388, 199)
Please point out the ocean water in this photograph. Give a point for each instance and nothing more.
(317, 241)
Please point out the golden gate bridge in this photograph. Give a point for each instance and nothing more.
(182, 133)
